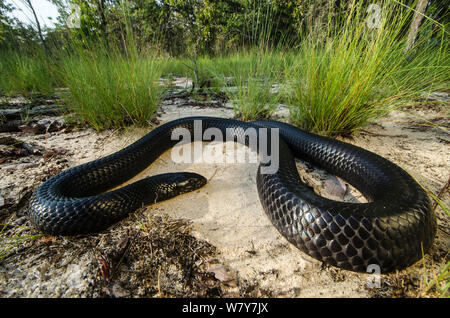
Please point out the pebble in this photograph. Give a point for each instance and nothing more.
(36, 129)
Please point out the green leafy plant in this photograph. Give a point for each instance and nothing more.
(348, 74)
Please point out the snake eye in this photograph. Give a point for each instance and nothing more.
(190, 182)
(182, 183)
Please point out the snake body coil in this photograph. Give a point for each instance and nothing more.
(391, 231)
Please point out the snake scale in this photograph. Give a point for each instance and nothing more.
(392, 230)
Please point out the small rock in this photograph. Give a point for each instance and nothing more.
(36, 129)
(9, 113)
(9, 167)
(155, 121)
(10, 126)
(61, 161)
(54, 151)
(2, 201)
(29, 148)
(19, 152)
(21, 220)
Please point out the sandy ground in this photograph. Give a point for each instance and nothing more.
(233, 246)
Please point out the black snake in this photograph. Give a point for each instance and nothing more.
(392, 231)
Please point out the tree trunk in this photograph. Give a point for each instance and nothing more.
(38, 25)
(417, 21)
(103, 23)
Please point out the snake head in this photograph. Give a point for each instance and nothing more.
(188, 181)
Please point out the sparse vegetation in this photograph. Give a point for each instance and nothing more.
(8, 243)
(337, 75)
(110, 91)
(26, 73)
(349, 74)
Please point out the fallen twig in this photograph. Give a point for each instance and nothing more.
(441, 193)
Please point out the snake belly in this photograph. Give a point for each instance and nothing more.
(392, 231)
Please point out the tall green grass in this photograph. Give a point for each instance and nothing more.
(341, 76)
(112, 90)
(26, 74)
(247, 78)
(348, 74)
(112, 85)
(171, 66)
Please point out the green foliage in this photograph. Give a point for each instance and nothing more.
(112, 90)
(438, 286)
(26, 73)
(338, 73)
(3, 19)
(200, 27)
(248, 79)
(186, 26)
(18, 237)
(253, 98)
(348, 74)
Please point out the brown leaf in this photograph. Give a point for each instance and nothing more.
(46, 239)
(335, 188)
(49, 153)
(105, 269)
(35, 129)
